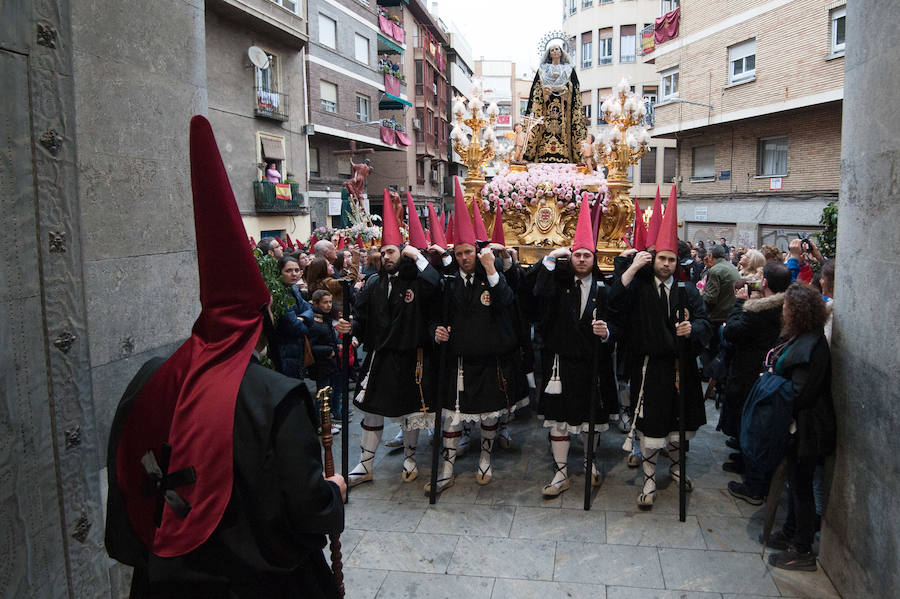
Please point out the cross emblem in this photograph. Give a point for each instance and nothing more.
(161, 483)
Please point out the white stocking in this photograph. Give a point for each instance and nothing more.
(488, 434)
(410, 441)
(372, 428)
(648, 463)
(559, 445)
(452, 434)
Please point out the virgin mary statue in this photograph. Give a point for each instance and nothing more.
(556, 97)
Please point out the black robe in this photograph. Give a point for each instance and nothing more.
(569, 334)
(650, 334)
(270, 539)
(483, 333)
(394, 331)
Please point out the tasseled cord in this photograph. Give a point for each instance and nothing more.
(460, 386)
(554, 385)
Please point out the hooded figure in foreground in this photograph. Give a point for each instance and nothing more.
(215, 476)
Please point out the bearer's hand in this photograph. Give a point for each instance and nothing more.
(442, 334)
(561, 253)
(487, 261)
(683, 329)
(410, 252)
(343, 326)
(436, 249)
(339, 481)
(628, 252)
(640, 260)
(600, 328)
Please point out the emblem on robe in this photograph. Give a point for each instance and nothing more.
(409, 296)
(486, 298)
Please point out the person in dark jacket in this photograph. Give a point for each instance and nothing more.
(806, 360)
(323, 341)
(752, 329)
(293, 324)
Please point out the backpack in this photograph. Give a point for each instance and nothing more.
(766, 422)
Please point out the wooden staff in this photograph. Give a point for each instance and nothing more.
(600, 313)
(681, 379)
(337, 565)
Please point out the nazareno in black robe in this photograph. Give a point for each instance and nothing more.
(483, 333)
(650, 334)
(393, 331)
(569, 334)
(270, 539)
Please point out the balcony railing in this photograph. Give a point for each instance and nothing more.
(271, 105)
(265, 200)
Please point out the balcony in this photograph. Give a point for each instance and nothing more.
(391, 25)
(265, 200)
(283, 21)
(270, 105)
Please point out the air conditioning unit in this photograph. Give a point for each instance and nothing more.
(308, 130)
(417, 124)
(304, 199)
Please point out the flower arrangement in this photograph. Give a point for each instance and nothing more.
(542, 183)
(362, 230)
(323, 232)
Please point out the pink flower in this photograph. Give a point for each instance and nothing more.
(534, 202)
(518, 205)
(571, 205)
(530, 193)
(560, 204)
(515, 195)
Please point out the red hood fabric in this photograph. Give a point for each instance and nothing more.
(189, 401)
(359, 241)
(416, 233)
(597, 216)
(655, 220)
(497, 235)
(639, 236)
(341, 243)
(313, 240)
(463, 232)
(290, 242)
(434, 225)
(281, 243)
(478, 221)
(390, 228)
(450, 234)
(668, 230)
(584, 231)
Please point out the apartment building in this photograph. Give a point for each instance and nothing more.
(606, 36)
(498, 83)
(752, 94)
(357, 85)
(258, 111)
(459, 74)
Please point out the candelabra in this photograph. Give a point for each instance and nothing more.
(479, 146)
(622, 143)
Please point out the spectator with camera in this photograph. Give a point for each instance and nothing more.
(752, 329)
(800, 252)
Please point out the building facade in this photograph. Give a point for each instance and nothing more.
(354, 92)
(259, 112)
(606, 36)
(498, 83)
(752, 94)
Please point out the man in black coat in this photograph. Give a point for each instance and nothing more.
(644, 303)
(483, 355)
(752, 329)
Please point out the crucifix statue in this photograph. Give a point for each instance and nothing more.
(359, 171)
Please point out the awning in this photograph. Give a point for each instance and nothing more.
(385, 41)
(272, 148)
(391, 102)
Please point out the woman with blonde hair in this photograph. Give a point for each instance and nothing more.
(754, 261)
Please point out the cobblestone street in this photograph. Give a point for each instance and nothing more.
(504, 541)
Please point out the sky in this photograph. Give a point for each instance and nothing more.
(503, 29)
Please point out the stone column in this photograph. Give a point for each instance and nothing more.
(861, 527)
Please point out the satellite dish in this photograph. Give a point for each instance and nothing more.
(258, 57)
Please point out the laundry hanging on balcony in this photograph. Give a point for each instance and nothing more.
(666, 26)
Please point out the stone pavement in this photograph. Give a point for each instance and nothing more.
(504, 541)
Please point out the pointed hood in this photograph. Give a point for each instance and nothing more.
(639, 234)
(186, 408)
(281, 243)
(668, 230)
(462, 224)
(313, 240)
(497, 235)
(478, 221)
(359, 242)
(290, 242)
(450, 233)
(584, 232)
(390, 228)
(655, 220)
(416, 234)
(342, 243)
(437, 230)
(596, 215)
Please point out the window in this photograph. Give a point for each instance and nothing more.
(420, 170)
(627, 41)
(586, 104)
(772, 156)
(648, 166)
(420, 116)
(573, 5)
(287, 4)
(604, 53)
(523, 106)
(328, 93)
(587, 49)
(361, 48)
(704, 163)
(601, 95)
(362, 108)
(669, 84)
(420, 79)
(314, 162)
(742, 61)
(649, 93)
(668, 6)
(587, 3)
(267, 79)
(327, 31)
(838, 29)
(668, 165)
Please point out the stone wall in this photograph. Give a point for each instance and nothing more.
(861, 530)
